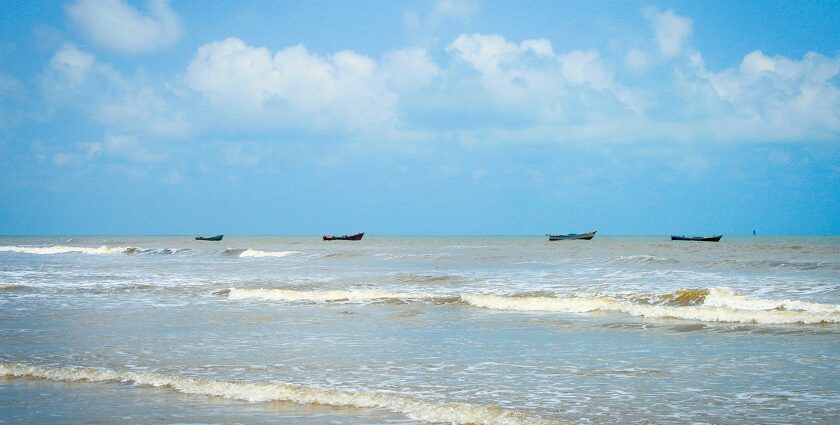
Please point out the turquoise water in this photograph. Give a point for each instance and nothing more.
(419, 329)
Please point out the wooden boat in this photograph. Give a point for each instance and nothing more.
(572, 236)
(697, 238)
(356, 237)
(209, 238)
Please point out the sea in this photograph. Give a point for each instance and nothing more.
(416, 330)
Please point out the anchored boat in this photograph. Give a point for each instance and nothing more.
(356, 237)
(209, 238)
(572, 236)
(697, 238)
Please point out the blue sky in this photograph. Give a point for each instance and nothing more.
(422, 117)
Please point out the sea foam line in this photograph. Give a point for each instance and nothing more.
(320, 296)
(455, 413)
(63, 249)
(705, 305)
(254, 253)
(720, 309)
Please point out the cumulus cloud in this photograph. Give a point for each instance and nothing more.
(530, 75)
(779, 97)
(479, 87)
(409, 68)
(343, 90)
(585, 67)
(116, 25)
(75, 79)
(670, 30)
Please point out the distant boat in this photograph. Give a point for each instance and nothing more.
(209, 238)
(697, 238)
(572, 236)
(356, 237)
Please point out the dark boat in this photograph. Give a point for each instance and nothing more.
(356, 237)
(697, 238)
(572, 236)
(209, 238)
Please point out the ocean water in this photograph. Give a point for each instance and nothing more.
(405, 330)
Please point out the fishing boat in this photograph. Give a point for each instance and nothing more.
(697, 238)
(572, 236)
(356, 237)
(209, 238)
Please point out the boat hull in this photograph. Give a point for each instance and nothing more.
(697, 238)
(573, 236)
(356, 237)
(210, 238)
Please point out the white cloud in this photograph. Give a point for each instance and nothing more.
(441, 13)
(489, 53)
(71, 65)
(487, 88)
(75, 79)
(585, 67)
(120, 147)
(671, 30)
(457, 9)
(116, 25)
(409, 69)
(127, 147)
(530, 76)
(636, 60)
(293, 86)
(780, 98)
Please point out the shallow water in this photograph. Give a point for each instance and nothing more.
(419, 329)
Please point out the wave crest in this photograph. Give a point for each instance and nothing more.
(644, 259)
(685, 296)
(417, 409)
(726, 297)
(254, 253)
(64, 249)
(712, 305)
(705, 305)
(323, 296)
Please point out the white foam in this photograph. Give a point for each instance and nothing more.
(642, 259)
(726, 297)
(63, 249)
(704, 313)
(319, 296)
(564, 305)
(455, 413)
(724, 306)
(254, 253)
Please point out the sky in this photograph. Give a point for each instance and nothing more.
(450, 117)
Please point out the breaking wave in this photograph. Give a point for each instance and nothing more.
(644, 259)
(253, 253)
(712, 305)
(417, 409)
(102, 250)
(63, 249)
(705, 305)
(328, 296)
